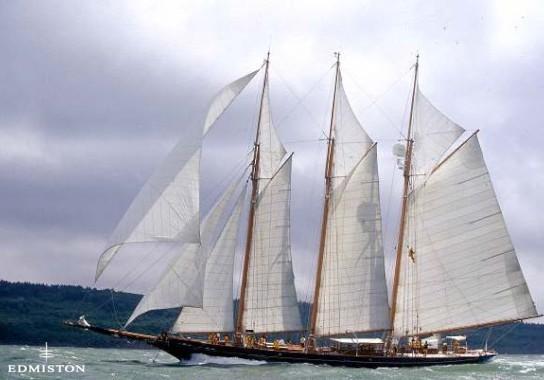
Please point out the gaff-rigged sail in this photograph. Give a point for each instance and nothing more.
(459, 266)
(456, 266)
(268, 301)
(351, 291)
(271, 302)
(353, 295)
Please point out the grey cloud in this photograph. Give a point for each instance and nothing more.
(93, 95)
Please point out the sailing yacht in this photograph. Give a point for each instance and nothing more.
(455, 266)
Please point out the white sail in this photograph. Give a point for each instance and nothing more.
(225, 97)
(353, 292)
(214, 222)
(182, 282)
(271, 150)
(270, 298)
(350, 139)
(167, 207)
(433, 135)
(216, 315)
(458, 266)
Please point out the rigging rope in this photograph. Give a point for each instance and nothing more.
(516, 324)
(375, 99)
(300, 99)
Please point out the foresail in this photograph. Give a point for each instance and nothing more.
(225, 97)
(216, 315)
(459, 267)
(270, 298)
(353, 292)
(166, 209)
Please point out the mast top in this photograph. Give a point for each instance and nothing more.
(337, 56)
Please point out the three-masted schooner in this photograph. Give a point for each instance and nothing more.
(455, 266)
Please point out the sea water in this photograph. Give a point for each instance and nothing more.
(27, 362)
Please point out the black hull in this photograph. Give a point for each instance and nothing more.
(183, 349)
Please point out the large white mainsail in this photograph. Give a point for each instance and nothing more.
(216, 314)
(458, 265)
(353, 294)
(353, 290)
(270, 300)
(167, 210)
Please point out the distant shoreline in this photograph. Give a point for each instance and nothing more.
(32, 314)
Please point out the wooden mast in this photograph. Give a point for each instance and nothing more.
(407, 175)
(254, 193)
(328, 192)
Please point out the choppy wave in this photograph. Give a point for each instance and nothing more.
(202, 359)
(154, 364)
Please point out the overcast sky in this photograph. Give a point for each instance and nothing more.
(94, 94)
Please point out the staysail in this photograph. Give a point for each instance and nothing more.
(270, 301)
(225, 97)
(167, 211)
(167, 207)
(216, 314)
(352, 291)
(182, 282)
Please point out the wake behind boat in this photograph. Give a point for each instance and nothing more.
(455, 267)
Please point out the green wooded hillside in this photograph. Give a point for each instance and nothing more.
(33, 314)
